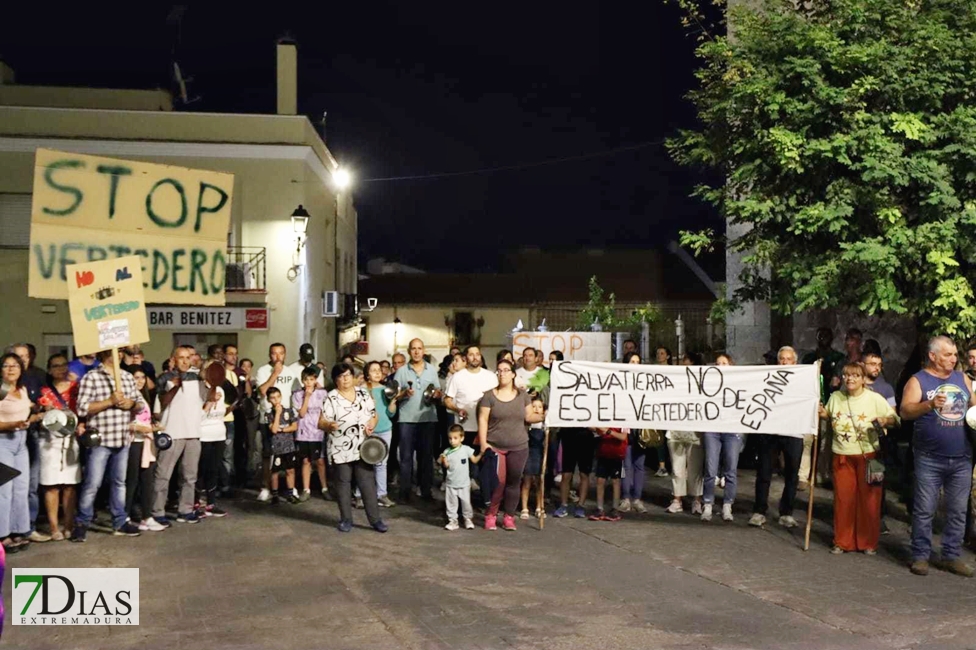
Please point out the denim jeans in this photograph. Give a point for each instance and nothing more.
(34, 453)
(633, 481)
(417, 436)
(14, 510)
(721, 450)
(227, 462)
(116, 459)
(954, 477)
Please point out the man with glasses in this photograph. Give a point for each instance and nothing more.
(418, 421)
(875, 381)
(792, 448)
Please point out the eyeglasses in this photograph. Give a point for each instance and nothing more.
(846, 377)
(11, 366)
(501, 370)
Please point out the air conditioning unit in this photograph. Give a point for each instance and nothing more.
(330, 304)
(240, 277)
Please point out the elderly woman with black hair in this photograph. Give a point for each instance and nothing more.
(15, 418)
(349, 417)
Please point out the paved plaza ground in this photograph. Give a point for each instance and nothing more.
(283, 577)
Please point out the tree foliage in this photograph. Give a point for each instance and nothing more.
(846, 132)
(602, 309)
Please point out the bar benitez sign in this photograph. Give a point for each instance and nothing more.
(208, 319)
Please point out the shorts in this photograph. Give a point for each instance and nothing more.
(281, 462)
(608, 467)
(578, 447)
(309, 450)
(533, 466)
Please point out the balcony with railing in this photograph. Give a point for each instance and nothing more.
(247, 270)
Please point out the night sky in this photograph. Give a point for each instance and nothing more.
(416, 90)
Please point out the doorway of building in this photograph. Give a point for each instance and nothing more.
(56, 344)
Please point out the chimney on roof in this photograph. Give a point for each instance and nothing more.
(287, 72)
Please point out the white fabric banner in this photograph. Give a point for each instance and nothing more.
(781, 400)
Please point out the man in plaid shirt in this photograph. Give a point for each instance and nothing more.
(109, 411)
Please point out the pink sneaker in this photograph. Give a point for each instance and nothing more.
(490, 522)
(508, 522)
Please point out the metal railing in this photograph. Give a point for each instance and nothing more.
(699, 335)
(247, 269)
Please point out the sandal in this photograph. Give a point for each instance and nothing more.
(837, 551)
(57, 536)
(524, 514)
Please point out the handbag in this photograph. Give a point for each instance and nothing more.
(875, 469)
(650, 438)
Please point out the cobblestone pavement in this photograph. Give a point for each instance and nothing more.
(284, 577)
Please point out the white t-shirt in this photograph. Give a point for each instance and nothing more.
(288, 382)
(181, 419)
(523, 376)
(212, 428)
(467, 388)
(297, 368)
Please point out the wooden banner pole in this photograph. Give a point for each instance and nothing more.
(541, 490)
(813, 489)
(813, 469)
(116, 371)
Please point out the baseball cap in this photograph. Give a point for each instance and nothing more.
(306, 351)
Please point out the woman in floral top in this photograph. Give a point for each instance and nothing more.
(858, 416)
(60, 456)
(349, 416)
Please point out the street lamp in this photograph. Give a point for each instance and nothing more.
(299, 221)
(341, 178)
(299, 224)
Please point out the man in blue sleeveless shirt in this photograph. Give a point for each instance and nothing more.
(937, 398)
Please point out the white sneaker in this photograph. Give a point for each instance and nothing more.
(468, 524)
(624, 506)
(757, 520)
(727, 512)
(675, 507)
(452, 525)
(787, 521)
(151, 525)
(706, 514)
(696, 507)
(264, 495)
(638, 506)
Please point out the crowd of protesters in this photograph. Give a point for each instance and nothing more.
(154, 449)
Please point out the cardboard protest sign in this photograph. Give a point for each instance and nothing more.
(88, 208)
(587, 346)
(107, 304)
(780, 400)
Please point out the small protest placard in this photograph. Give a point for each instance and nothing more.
(780, 400)
(107, 304)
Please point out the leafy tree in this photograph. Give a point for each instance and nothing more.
(844, 133)
(603, 309)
